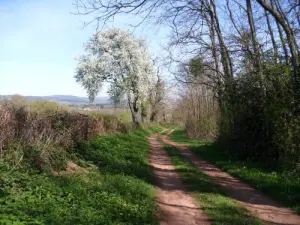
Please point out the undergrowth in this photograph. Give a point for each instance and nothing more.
(114, 188)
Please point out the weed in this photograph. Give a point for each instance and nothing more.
(116, 191)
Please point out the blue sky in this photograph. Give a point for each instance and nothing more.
(39, 41)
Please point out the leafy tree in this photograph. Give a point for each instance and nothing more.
(117, 57)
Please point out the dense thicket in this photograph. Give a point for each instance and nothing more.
(246, 52)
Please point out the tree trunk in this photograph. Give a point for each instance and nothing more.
(279, 17)
(257, 55)
(244, 38)
(275, 47)
(135, 118)
(225, 56)
(283, 43)
(289, 34)
(216, 60)
(153, 116)
(134, 109)
(226, 61)
(144, 112)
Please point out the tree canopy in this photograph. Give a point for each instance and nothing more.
(117, 57)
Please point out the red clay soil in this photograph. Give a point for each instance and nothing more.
(256, 202)
(177, 207)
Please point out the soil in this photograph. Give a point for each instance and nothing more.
(177, 207)
(255, 201)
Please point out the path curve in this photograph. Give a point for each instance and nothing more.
(177, 207)
(255, 201)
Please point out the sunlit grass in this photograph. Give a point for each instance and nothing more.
(115, 189)
(219, 208)
(281, 186)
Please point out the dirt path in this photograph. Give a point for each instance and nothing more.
(177, 207)
(256, 202)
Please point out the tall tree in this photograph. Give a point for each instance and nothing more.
(256, 48)
(271, 32)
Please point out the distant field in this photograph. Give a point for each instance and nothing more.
(62, 99)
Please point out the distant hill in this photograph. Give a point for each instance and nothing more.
(66, 99)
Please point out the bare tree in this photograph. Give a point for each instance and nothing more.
(281, 18)
(256, 48)
(271, 32)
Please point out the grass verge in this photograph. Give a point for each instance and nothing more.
(220, 209)
(281, 186)
(115, 189)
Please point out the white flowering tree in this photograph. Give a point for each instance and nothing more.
(115, 56)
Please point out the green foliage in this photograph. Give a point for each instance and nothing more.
(282, 186)
(125, 116)
(262, 125)
(196, 67)
(46, 131)
(44, 157)
(219, 208)
(111, 122)
(120, 154)
(181, 136)
(114, 192)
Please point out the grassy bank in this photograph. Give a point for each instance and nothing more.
(281, 186)
(112, 186)
(219, 208)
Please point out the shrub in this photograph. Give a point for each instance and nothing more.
(45, 131)
(264, 128)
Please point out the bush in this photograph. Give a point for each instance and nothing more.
(264, 127)
(115, 192)
(47, 131)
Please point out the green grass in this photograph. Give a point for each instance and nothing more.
(220, 209)
(179, 136)
(281, 186)
(125, 116)
(116, 189)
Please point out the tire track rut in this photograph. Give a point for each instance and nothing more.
(177, 207)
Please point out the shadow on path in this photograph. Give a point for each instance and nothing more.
(256, 202)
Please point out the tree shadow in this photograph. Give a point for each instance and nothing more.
(119, 154)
